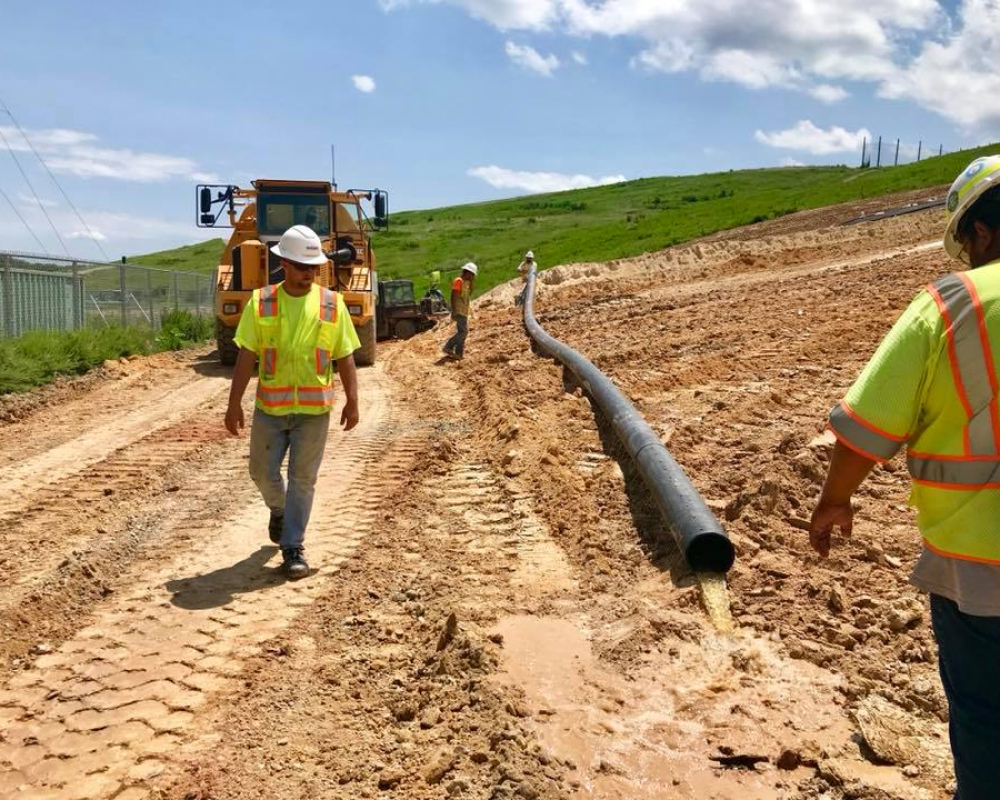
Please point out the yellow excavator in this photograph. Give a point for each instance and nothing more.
(260, 215)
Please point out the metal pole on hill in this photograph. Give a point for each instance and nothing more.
(864, 146)
(895, 163)
(920, 146)
(8, 296)
(940, 149)
(121, 289)
(878, 158)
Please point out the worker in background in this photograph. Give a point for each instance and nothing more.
(461, 299)
(523, 269)
(294, 332)
(932, 385)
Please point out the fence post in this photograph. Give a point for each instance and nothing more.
(149, 297)
(77, 298)
(121, 289)
(8, 296)
(176, 292)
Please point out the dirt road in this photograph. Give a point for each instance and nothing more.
(495, 612)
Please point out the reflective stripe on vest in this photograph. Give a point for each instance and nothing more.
(971, 361)
(976, 384)
(275, 396)
(315, 396)
(863, 437)
(268, 305)
(322, 361)
(328, 306)
(269, 362)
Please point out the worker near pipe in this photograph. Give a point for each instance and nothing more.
(293, 332)
(524, 269)
(932, 386)
(461, 305)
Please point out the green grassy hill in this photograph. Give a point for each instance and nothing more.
(201, 257)
(609, 222)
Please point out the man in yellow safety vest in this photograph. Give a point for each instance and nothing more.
(293, 332)
(932, 386)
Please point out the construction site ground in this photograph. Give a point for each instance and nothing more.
(495, 610)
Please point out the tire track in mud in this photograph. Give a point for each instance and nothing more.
(105, 713)
(22, 481)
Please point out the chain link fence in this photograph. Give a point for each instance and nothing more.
(52, 293)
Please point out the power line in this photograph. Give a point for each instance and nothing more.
(38, 200)
(93, 236)
(23, 221)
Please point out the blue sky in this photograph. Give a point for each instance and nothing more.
(454, 101)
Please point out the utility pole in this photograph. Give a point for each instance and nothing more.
(864, 146)
(920, 146)
(895, 163)
(878, 158)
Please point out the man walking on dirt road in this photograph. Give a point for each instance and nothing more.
(294, 331)
(461, 298)
(932, 385)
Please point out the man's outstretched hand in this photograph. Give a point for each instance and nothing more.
(825, 518)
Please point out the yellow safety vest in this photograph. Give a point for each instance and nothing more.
(953, 444)
(295, 373)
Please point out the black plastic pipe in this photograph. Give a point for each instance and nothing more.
(698, 534)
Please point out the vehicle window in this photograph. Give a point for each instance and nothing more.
(278, 212)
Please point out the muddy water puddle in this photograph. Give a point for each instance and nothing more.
(654, 732)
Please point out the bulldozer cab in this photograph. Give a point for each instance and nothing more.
(397, 293)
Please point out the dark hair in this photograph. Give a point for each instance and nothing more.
(986, 210)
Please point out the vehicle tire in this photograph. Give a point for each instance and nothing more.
(228, 349)
(364, 356)
(405, 329)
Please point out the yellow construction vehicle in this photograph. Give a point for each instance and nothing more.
(260, 215)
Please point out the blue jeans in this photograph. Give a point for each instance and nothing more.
(303, 438)
(456, 344)
(969, 652)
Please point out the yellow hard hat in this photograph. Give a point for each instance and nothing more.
(981, 175)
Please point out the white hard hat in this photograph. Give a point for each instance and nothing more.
(301, 245)
(470, 267)
(529, 254)
(981, 175)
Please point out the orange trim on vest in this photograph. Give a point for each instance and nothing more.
(987, 355)
(866, 424)
(860, 451)
(956, 374)
(959, 556)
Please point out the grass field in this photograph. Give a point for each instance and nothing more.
(36, 358)
(609, 222)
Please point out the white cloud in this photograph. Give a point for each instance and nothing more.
(535, 182)
(957, 75)
(533, 15)
(579, 58)
(92, 234)
(73, 152)
(805, 136)
(529, 58)
(363, 83)
(791, 162)
(828, 93)
(924, 51)
(29, 200)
